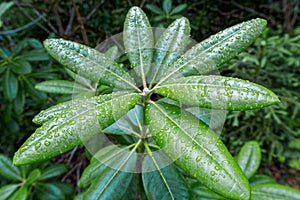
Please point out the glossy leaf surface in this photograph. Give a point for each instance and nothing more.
(165, 183)
(89, 63)
(196, 149)
(217, 49)
(138, 41)
(20, 194)
(7, 190)
(170, 47)
(74, 125)
(61, 87)
(273, 191)
(249, 158)
(218, 92)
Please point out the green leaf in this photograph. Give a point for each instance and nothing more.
(114, 179)
(35, 55)
(249, 158)
(155, 9)
(295, 163)
(216, 50)
(165, 183)
(21, 66)
(113, 53)
(269, 191)
(196, 149)
(74, 126)
(7, 170)
(36, 95)
(169, 47)
(200, 191)
(61, 87)
(218, 92)
(89, 63)
(4, 6)
(49, 191)
(66, 188)
(167, 5)
(178, 9)
(260, 179)
(33, 176)
(19, 102)
(7, 190)
(79, 79)
(10, 87)
(53, 171)
(20, 194)
(35, 43)
(138, 41)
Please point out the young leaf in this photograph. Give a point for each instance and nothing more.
(218, 92)
(7, 170)
(138, 41)
(33, 176)
(167, 5)
(197, 149)
(169, 47)
(89, 63)
(61, 87)
(7, 190)
(10, 87)
(216, 50)
(165, 183)
(269, 191)
(75, 125)
(249, 158)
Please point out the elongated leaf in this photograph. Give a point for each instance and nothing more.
(200, 191)
(113, 52)
(21, 66)
(61, 87)
(66, 188)
(217, 49)
(260, 179)
(165, 183)
(49, 191)
(20, 194)
(114, 179)
(169, 47)
(4, 6)
(7, 190)
(197, 149)
(10, 87)
(38, 96)
(19, 102)
(155, 9)
(75, 125)
(7, 170)
(218, 92)
(33, 176)
(269, 191)
(89, 63)
(249, 158)
(35, 55)
(52, 171)
(167, 5)
(138, 41)
(79, 79)
(178, 9)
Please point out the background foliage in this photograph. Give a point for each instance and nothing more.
(271, 61)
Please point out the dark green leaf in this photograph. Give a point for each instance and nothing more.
(155, 9)
(179, 9)
(19, 102)
(89, 63)
(7, 190)
(10, 87)
(35, 43)
(49, 191)
(20, 194)
(66, 188)
(75, 125)
(200, 191)
(218, 92)
(35, 55)
(61, 87)
(169, 47)
(7, 170)
(165, 183)
(33, 176)
(216, 50)
(260, 179)
(21, 66)
(138, 41)
(52, 171)
(269, 191)
(36, 95)
(196, 149)
(249, 158)
(167, 5)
